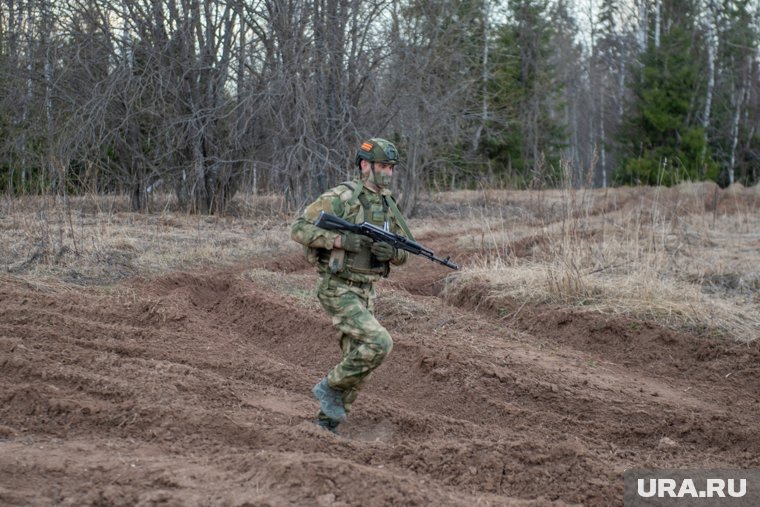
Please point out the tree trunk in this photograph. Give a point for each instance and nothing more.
(484, 81)
(711, 50)
(740, 97)
(410, 181)
(642, 29)
(52, 171)
(200, 191)
(602, 141)
(657, 24)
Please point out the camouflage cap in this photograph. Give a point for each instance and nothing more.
(377, 150)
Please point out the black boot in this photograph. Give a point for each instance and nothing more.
(330, 425)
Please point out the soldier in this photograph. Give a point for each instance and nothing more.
(349, 264)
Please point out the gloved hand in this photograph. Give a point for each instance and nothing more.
(383, 251)
(351, 242)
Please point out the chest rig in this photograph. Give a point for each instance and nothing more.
(361, 206)
(365, 207)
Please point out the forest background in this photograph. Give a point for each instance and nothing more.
(203, 99)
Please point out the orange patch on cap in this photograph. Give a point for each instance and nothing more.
(366, 146)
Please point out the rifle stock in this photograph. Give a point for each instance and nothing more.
(332, 223)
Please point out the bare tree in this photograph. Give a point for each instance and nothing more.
(199, 97)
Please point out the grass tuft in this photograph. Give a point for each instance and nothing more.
(686, 257)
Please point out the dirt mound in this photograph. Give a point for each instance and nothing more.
(194, 389)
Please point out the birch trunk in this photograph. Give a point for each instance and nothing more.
(734, 139)
(711, 50)
(741, 97)
(657, 24)
(642, 29)
(484, 81)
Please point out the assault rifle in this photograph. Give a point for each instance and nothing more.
(333, 223)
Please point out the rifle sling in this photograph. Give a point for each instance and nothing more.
(399, 218)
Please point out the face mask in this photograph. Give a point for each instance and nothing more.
(382, 180)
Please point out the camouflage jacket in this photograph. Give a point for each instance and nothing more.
(342, 201)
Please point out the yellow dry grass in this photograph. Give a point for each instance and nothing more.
(95, 241)
(686, 257)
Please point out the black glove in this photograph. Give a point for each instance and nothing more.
(383, 251)
(351, 242)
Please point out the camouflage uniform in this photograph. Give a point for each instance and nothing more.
(346, 286)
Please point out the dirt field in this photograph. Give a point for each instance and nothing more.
(193, 388)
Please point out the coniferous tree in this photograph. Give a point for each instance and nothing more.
(527, 145)
(662, 137)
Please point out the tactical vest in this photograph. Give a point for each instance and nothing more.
(357, 209)
(376, 213)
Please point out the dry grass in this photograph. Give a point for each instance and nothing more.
(686, 257)
(95, 241)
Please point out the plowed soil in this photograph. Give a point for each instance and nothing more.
(194, 389)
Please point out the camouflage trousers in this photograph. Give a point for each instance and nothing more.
(363, 341)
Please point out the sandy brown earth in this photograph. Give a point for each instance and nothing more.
(194, 389)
